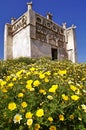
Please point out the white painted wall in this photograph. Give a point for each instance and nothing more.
(21, 43)
(71, 45)
(8, 46)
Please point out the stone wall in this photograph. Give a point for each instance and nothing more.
(40, 49)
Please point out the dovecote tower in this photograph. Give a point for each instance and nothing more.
(34, 36)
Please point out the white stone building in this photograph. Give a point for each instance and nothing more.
(34, 36)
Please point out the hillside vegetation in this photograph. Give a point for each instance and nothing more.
(41, 94)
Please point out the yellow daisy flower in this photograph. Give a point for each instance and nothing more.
(28, 115)
(24, 104)
(61, 117)
(40, 113)
(20, 95)
(29, 122)
(12, 106)
(52, 127)
(50, 119)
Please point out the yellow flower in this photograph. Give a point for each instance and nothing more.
(53, 88)
(29, 122)
(8, 78)
(12, 106)
(20, 95)
(52, 128)
(24, 104)
(4, 90)
(36, 83)
(32, 89)
(14, 79)
(41, 76)
(10, 85)
(28, 115)
(62, 72)
(74, 97)
(29, 82)
(61, 117)
(3, 83)
(37, 126)
(17, 118)
(48, 73)
(55, 74)
(28, 86)
(50, 119)
(32, 69)
(20, 72)
(72, 117)
(64, 97)
(72, 87)
(40, 112)
(28, 73)
(36, 73)
(46, 80)
(42, 91)
(49, 97)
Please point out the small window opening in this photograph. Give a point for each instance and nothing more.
(54, 53)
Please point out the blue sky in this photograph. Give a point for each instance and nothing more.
(69, 11)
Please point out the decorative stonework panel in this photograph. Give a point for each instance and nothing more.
(41, 37)
(49, 24)
(19, 24)
(49, 32)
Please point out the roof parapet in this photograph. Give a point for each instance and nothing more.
(13, 20)
(29, 5)
(49, 16)
(64, 25)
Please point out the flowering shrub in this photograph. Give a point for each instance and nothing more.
(45, 95)
(6, 67)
